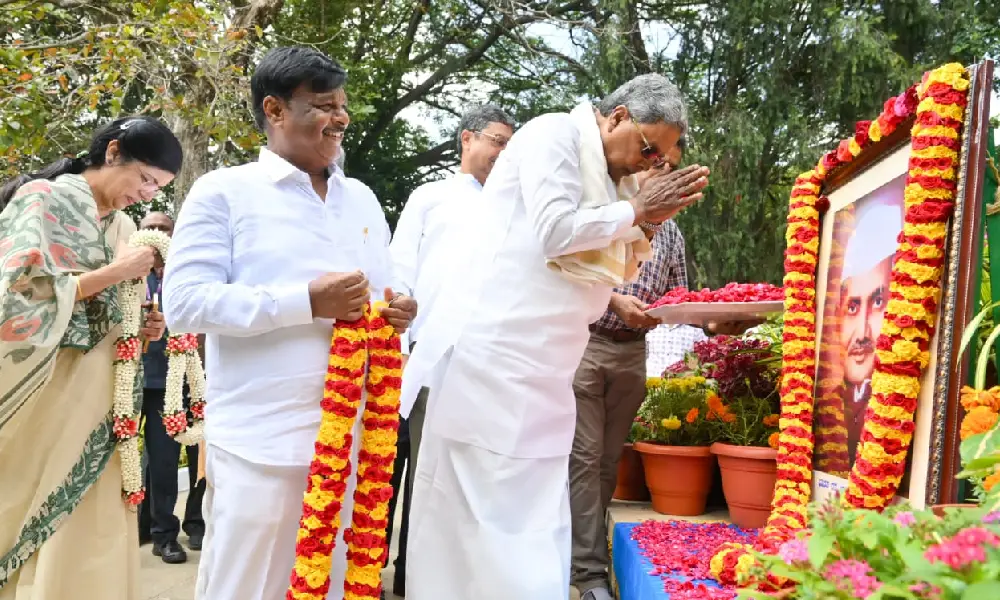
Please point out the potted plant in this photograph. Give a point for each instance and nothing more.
(746, 416)
(675, 446)
(631, 483)
(864, 554)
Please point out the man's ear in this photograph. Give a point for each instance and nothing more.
(466, 137)
(274, 110)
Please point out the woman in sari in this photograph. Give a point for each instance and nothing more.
(65, 531)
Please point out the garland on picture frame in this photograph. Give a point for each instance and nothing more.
(903, 346)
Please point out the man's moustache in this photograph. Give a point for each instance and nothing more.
(864, 346)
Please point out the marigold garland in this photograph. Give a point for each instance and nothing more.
(903, 347)
(128, 349)
(364, 354)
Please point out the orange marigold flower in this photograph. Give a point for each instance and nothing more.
(991, 481)
(692, 415)
(772, 440)
(978, 420)
(771, 420)
(727, 417)
(971, 398)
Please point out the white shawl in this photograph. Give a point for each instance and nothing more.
(619, 262)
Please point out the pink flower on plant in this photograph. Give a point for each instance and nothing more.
(905, 519)
(993, 517)
(965, 548)
(931, 592)
(853, 577)
(794, 551)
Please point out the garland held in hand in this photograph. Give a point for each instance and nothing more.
(185, 426)
(903, 347)
(128, 349)
(364, 355)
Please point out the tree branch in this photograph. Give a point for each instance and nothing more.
(435, 155)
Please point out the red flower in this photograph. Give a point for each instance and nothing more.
(861, 133)
(307, 546)
(844, 151)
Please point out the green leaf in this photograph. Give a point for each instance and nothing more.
(979, 450)
(983, 590)
(973, 327)
(820, 546)
(984, 358)
(892, 591)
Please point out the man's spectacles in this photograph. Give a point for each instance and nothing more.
(498, 140)
(649, 151)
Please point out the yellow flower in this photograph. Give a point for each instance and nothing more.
(672, 423)
(653, 382)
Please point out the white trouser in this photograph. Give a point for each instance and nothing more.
(252, 515)
(487, 527)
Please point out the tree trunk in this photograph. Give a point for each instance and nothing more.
(249, 18)
(194, 142)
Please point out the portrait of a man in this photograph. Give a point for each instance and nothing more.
(864, 293)
(858, 276)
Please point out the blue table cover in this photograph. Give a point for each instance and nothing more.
(632, 568)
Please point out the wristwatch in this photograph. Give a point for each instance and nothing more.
(649, 227)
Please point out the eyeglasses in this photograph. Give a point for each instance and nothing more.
(148, 182)
(648, 151)
(498, 140)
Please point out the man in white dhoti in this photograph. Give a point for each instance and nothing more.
(491, 512)
(265, 256)
(423, 257)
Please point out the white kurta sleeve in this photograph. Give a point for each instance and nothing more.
(405, 246)
(197, 294)
(549, 171)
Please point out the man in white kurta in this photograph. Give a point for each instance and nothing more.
(491, 515)
(254, 261)
(423, 258)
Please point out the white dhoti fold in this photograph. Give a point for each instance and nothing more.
(487, 526)
(252, 515)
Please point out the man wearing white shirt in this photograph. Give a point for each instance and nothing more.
(264, 258)
(491, 513)
(422, 256)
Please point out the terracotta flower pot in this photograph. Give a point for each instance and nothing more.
(678, 477)
(631, 484)
(939, 509)
(748, 477)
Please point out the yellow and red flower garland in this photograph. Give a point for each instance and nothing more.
(369, 342)
(903, 347)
